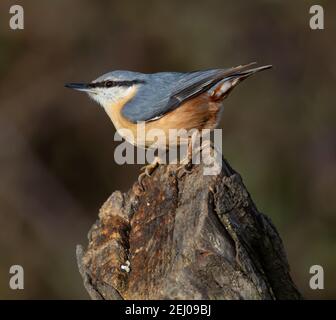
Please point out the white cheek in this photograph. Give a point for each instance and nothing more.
(106, 96)
(117, 93)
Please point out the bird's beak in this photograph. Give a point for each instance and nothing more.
(79, 86)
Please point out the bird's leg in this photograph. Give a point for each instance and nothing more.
(186, 163)
(148, 170)
(207, 145)
(205, 150)
(212, 157)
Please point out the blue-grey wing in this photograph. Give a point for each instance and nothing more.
(194, 84)
(151, 99)
(165, 91)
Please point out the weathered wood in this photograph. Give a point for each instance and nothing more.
(189, 237)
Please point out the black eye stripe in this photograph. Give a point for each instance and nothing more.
(116, 83)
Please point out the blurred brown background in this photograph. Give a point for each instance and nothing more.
(56, 145)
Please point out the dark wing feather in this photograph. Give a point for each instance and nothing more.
(200, 81)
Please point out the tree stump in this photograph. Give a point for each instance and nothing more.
(189, 237)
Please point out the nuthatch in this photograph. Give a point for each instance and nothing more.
(164, 100)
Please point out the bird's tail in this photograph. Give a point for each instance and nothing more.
(243, 72)
(249, 72)
(234, 77)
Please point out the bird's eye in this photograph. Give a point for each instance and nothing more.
(108, 84)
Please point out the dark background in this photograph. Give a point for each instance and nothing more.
(56, 146)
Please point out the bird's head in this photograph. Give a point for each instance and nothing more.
(111, 87)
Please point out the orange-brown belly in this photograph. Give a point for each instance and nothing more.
(198, 113)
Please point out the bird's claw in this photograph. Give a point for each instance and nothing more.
(184, 169)
(140, 178)
(148, 170)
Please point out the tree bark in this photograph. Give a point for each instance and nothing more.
(189, 237)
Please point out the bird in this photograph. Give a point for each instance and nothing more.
(164, 100)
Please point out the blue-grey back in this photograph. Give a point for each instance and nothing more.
(159, 93)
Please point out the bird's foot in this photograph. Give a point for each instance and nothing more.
(148, 171)
(184, 168)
